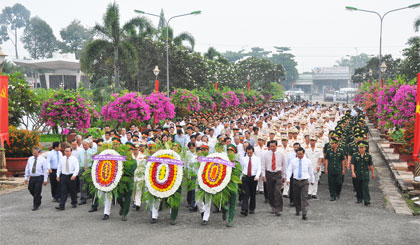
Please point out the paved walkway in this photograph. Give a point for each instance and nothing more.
(340, 222)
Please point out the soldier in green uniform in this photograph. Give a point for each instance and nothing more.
(334, 167)
(361, 164)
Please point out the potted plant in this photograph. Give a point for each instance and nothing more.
(406, 151)
(396, 136)
(19, 149)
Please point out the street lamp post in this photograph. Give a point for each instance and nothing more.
(249, 85)
(381, 18)
(370, 76)
(215, 84)
(156, 72)
(383, 70)
(167, 41)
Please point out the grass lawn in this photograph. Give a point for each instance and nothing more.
(411, 205)
(49, 138)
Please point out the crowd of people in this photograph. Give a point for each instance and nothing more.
(282, 148)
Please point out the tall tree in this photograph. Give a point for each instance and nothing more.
(11, 20)
(113, 49)
(287, 60)
(417, 24)
(74, 37)
(162, 21)
(179, 39)
(213, 54)
(38, 38)
(234, 56)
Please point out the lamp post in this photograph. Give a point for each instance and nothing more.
(248, 77)
(62, 85)
(381, 18)
(4, 117)
(383, 70)
(156, 72)
(167, 42)
(215, 84)
(370, 76)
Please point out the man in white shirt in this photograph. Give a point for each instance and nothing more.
(274, 174)
(303, 173)
(53, 159)
(74, 148)
(289, 188)
(139, 155)
(67, 171)
(314, 154)
(37, 171)
(259, 150)
(123, 136)
(251, 170)
(85, 162)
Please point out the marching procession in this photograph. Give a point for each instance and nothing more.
(216, 161)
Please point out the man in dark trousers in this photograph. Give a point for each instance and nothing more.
(303, 173)
(37, 172)
(67, 171)
(251, 170)
(335, 161)
(361, 164)
(274, 174)
(53, 158)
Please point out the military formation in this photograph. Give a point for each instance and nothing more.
(279, 150)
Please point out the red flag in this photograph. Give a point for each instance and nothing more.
(215, 86)
(248, 86)
(157, 86)
(417, 126)
(4, 110)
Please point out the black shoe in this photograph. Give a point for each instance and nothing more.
(106, 216)
(59, 208)
(54, 200)
(332, 199)
(216, 211)
(261, 192)
(359, 201)
(314, 197)
(82, 202)
(244, 213)
(93, 209)
(204, 222)
(153, 221)
(291, 204)
(137, 208)
(74, 205)
(367, 203)
(277, 213)
(338, 196)
(309, 196)
(297, 213)
(194, 209)
(35, 208)
(251, 212)
(304, 217)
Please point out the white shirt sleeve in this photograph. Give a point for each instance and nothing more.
(27, 173)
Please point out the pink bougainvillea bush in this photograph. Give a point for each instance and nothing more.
(160, 106)
(125, 108)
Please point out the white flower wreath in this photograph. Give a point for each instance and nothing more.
(178, 177)
(117, 175)
(225, 181)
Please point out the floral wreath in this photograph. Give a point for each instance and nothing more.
(106, 174)
(162, 179)
(214, 177)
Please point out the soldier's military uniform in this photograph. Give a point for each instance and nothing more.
(361, 164)
(335, 168)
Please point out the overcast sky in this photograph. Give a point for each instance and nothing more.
(319, 32)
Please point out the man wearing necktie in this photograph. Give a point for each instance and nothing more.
(302, 170)
(53, 159)
(37, 172)
(85, 162)
(251, 170)
(273, 172)
(67, 171)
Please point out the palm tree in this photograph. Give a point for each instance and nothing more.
(114, 44)
(178, 40)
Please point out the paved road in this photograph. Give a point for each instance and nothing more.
(340, 222)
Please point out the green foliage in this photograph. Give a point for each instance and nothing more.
(21, 142)
(392, 71)
(12, 19)
(38, 38)
(410, 66)
(22, 100)
(74, 36)
(49, 138)
(397, 135)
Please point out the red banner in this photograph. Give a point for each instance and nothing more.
(215, 86)
(157, 86)
(417, 126)
(4, 110)
(248, 86)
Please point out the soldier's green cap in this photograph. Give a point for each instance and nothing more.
(132, 146)
(334, 140)
(331, 132)
(359, 136)
(233, 148)
(362, 143)
(115, 139)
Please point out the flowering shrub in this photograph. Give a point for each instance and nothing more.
(21, 142)
(385, 106)
(408, 136)
(185, 102)
(68, 110)
(160, 106)
(405, 104)
(229, 100)
(125, 108)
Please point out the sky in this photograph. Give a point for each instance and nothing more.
(318, 32)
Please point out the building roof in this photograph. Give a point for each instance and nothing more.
(51, 64)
